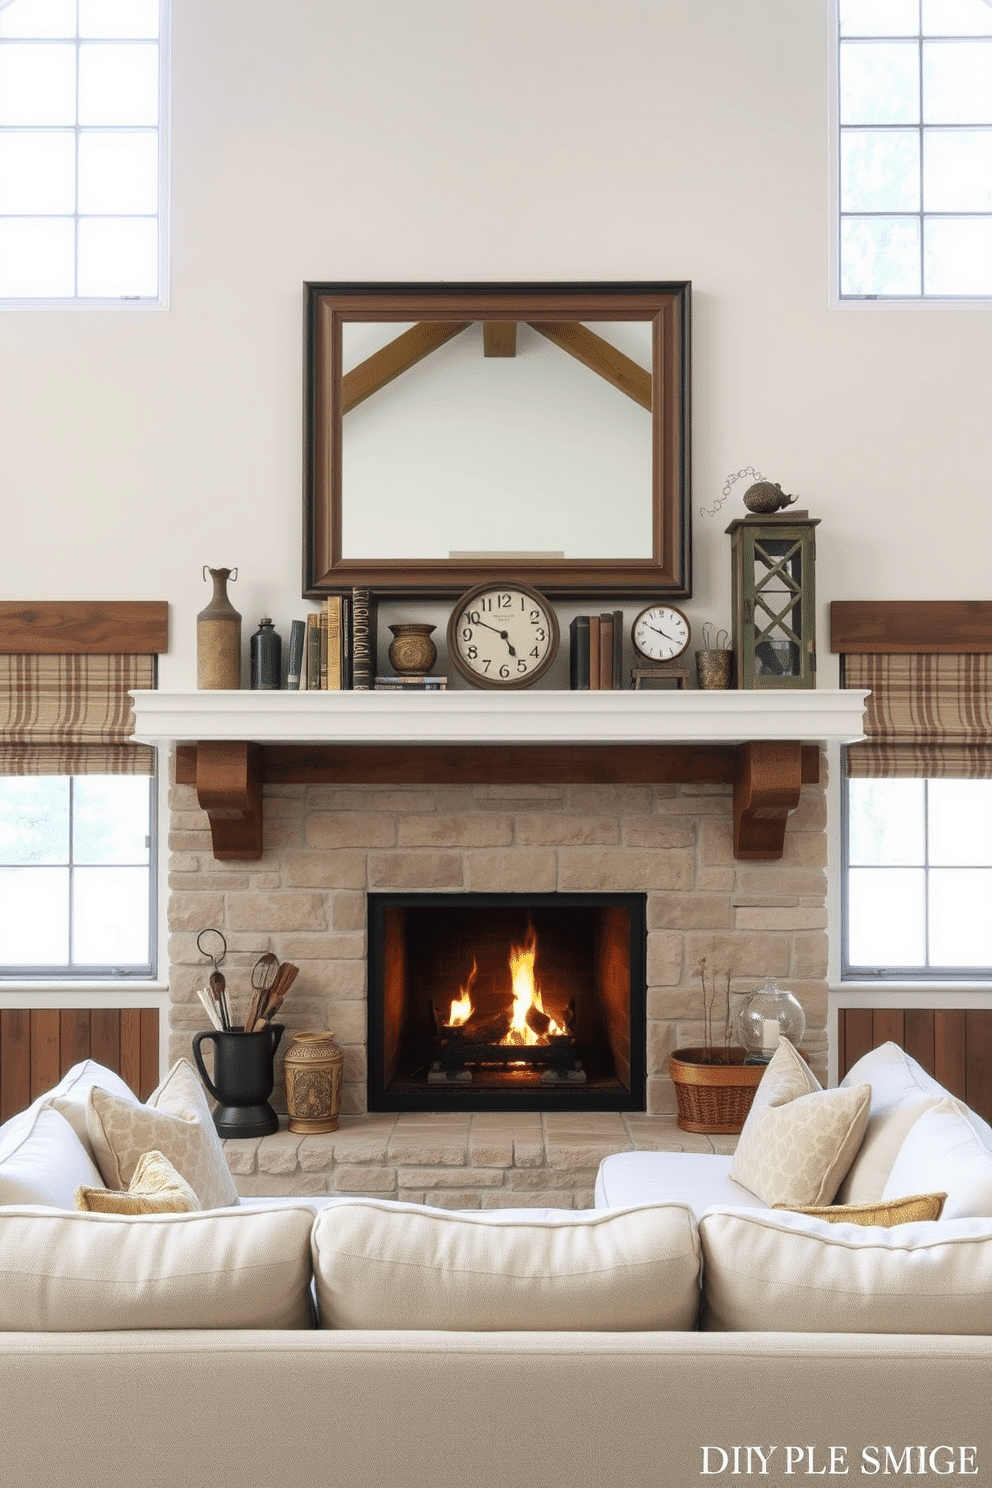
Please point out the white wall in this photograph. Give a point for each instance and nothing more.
(455, 139)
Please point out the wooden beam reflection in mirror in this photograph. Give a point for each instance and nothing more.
(600, 357)
(499, 338)
(402, 353)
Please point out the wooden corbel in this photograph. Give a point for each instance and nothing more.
(229, 789)
(766, 789)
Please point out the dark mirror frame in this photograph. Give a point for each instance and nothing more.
(666, 306)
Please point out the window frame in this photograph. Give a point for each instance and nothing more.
(836, 298)
(71, 972)
(927, 972)
(129, 303)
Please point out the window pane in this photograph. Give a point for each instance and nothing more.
(886, 916)
(879, 82)
(958, 257)
(34, 916)
(110, 819)
(118, 17)
(36, 257)
(110, 917)
(886, 821)
(957, 170)
(36, 18)
(118, 84)
(37, 84)
(37, 172)
(880, 255)
(960, 823)
(957, 18)
(960, 923)
(879, 17)
(118, 172)
(880, 170)
(957, 82)
(34, 819)
(118, 256)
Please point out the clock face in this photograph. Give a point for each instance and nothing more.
(661, 632)
(502, 635)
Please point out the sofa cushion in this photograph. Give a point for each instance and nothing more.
(943, 1150)
(42, 1161)
(896, 1078)
(155, 1188)
(77, 1272)
(699, 1179)
(885, 1133)
(798, 1140)
(887, 1213)
(792, 1273)
(380, 1263)
(71, 1095)
(176, 1122)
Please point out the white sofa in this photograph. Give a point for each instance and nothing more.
(679, 1332)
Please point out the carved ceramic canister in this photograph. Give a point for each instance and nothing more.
(412, 653)
(218, 636)
(313, 1069)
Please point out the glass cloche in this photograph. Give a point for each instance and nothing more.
(766, 1016)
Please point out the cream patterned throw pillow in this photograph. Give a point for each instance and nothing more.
(798, 1140)
(176, 1122)
(156, 1188)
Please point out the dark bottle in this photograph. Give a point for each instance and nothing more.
(265, 657)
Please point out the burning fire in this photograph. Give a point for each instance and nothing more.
(461, 1007)
(529, 1023)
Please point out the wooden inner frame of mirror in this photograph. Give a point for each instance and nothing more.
(562, 310)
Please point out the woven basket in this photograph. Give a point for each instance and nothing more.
(713, 1097)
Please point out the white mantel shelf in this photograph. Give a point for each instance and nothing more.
(486, 718)
(229, 745)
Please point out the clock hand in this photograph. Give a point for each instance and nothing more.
(658, 631)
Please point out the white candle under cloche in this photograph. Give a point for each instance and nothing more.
(770, 1034)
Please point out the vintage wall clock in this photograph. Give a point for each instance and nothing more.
(502, 633)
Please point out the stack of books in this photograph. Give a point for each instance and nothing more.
(596, 655)
(335, 646)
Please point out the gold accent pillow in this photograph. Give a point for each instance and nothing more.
(890, 1212)
(155, 1188)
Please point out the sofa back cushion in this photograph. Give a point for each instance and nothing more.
(792, 1273)
(901, 1090)
(78, 1272)
(73, 1091)
(42, 1161)
(380, 1263)
(943, 1150)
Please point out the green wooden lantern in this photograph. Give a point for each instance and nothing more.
(774, 600)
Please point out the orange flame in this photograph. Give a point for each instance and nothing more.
(526, 995)
(461, 1007)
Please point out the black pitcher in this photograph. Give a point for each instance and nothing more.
(243, 1079)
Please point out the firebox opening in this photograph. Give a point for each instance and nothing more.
(506, 1002)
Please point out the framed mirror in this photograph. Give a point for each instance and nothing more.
(457, 430)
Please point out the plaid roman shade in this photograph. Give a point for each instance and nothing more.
(71, 715)
(928, 716)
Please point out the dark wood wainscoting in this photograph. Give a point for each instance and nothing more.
(38, 1046)
(952, 1044)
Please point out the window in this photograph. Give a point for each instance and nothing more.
(82, 152)
(919, 878)
(76, 875)
(915, 149)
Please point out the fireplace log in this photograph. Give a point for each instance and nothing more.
(490, 1030)
(537, 1021)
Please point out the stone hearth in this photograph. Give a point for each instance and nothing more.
(305, 899)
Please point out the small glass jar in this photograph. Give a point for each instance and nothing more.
(765, 1018)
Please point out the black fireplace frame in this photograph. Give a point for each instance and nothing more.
(566, 1097)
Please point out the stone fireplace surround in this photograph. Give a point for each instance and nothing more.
(326, 846)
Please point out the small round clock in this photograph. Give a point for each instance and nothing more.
(502, 634)
(660, 633)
